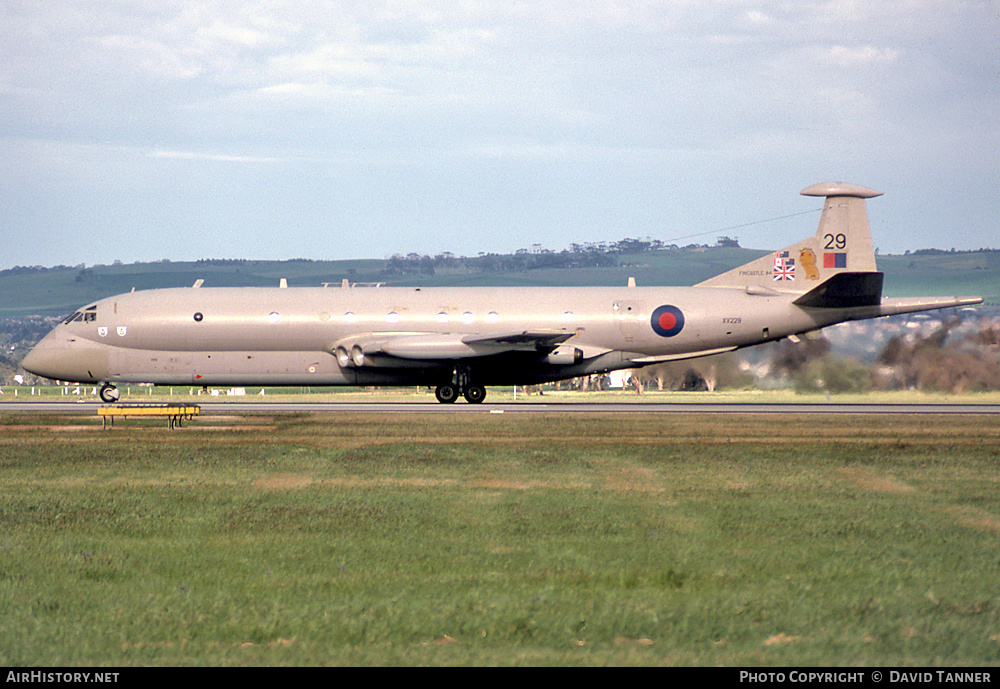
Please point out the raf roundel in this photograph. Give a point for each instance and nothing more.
(667, 321)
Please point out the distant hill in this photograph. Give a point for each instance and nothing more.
(60, 290)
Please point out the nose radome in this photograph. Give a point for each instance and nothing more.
(34, 362)
(67, 362)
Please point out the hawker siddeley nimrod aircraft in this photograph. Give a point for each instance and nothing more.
(463, 339)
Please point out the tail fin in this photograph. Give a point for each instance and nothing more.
(842, 244)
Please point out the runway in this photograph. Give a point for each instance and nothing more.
(534, 407)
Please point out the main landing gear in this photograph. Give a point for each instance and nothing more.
(109, 393)
(461, 384)
(448, 393)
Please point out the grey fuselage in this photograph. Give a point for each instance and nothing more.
(461, 339)
(290, 336)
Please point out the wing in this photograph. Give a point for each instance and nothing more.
(527, 339)
(366, 349)
(463, 346)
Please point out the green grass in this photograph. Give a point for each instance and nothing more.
(140, 394)
(508, 539)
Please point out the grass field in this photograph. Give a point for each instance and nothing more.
(501, 539)
(142, 394)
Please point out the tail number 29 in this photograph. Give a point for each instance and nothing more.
(838, 241)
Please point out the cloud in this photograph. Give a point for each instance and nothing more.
(214, 157)
(547, 117)
(855, 56)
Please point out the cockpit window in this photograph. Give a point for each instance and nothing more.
(88, 315)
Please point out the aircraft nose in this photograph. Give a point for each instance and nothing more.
(67, 360)
(42, 361)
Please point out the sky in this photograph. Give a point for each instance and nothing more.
(144, 130)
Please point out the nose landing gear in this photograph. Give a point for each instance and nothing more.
(109, 393)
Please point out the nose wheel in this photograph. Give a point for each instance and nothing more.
(109, 393)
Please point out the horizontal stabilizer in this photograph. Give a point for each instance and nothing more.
(892, 307)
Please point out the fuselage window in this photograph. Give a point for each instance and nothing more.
(86, 316)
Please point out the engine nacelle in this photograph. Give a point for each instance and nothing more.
(343, 358)
(357, 356)
(565, 355)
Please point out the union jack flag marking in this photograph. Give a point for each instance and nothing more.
(784, 267)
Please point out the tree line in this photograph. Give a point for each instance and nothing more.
(577, 255)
